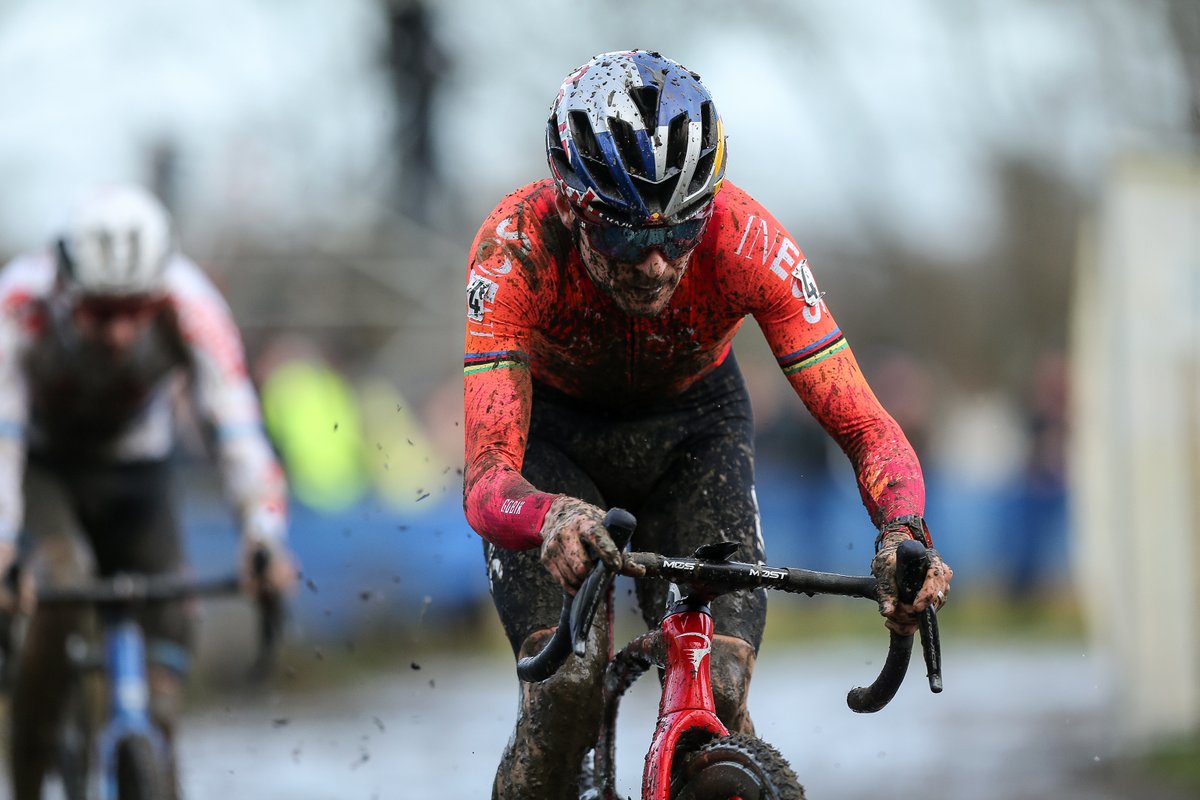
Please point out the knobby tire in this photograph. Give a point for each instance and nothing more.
(140, 776)
(736, 766)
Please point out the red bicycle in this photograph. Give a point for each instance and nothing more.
(692, 755)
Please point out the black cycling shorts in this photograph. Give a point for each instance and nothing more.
(684, 468)
(123, 513)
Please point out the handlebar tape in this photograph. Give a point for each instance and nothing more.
(912, 562)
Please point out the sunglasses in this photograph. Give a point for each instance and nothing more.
(630, 245)
(107, 309)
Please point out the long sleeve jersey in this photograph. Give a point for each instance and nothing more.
(62, 397)
(534, 313)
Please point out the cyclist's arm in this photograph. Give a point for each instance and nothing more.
(226, 400)
(833, 388)
(818, 363)
(500, 505)
(18, 320)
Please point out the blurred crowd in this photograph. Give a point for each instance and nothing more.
(354, 335)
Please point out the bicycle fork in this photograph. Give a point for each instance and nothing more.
(129, 700)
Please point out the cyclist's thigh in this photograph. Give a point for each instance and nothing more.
(130, 519)
(707, 494)
(53, 542)
(527, 597)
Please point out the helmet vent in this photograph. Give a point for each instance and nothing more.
(555, 149)
(593, 158)
(657, 195)
(703, 171)
(584, 136)
(646, 100)
(627, 146)
(677, 142)
(708, 126)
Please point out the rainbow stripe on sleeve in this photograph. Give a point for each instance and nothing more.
(815, 353)
(501, 359)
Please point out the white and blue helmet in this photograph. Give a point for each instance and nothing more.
(635, 139)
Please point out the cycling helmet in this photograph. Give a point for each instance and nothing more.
(635, 139)
(117, 243)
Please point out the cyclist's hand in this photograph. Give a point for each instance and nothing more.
(277, 576)
(17, 592)
(573, 537)
(901, 617)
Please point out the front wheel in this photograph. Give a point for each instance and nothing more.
(140, 775)
(736, 767)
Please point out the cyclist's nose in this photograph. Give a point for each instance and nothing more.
(120, 333)
(654, 265)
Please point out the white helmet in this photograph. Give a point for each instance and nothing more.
(117, 243)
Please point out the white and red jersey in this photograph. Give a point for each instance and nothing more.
(64, 397)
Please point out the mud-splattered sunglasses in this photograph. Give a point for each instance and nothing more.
(102, 310)
(630, 245)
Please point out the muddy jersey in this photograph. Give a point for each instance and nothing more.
(534, 314)
(64, 398)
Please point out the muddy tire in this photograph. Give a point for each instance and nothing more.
(140, 775)
(737, 766)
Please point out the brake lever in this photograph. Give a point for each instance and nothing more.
(931, 648)
(576, 618)
(12, 582)
(620, 524)
(271, 617)
(910, 581)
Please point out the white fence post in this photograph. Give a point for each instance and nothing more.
(1135, 452)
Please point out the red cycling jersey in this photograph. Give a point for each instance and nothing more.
(534, 313)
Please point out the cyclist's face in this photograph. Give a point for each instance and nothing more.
(642, 288)
(115, 323)
(638, 268)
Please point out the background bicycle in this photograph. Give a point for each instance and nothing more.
(108, 747)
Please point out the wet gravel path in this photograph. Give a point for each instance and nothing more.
(1012, 724)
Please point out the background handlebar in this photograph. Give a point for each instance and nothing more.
(135, 589)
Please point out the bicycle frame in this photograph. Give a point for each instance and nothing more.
(687, 698)
(129, 697)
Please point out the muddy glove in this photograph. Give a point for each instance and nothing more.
(901, 617)
(573, 537)
(280, 574)
(14, 598)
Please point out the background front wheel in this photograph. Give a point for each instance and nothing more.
(736, 766)
(140, 775)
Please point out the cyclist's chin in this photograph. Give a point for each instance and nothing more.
(643, 302)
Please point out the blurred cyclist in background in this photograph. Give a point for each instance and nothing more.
(601, 307)
(92, 338)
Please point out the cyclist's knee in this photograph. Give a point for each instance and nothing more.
(558, 721)
(60, 560)
(579, 678)
(568, 705)
(732, 665)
